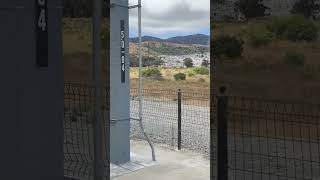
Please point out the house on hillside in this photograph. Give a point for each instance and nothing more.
(226, 9)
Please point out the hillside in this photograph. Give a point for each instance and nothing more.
(156, 48)
(198, 39)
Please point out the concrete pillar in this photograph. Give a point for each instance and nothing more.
(119, 83)
(31, 93)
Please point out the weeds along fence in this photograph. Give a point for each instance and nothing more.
(265, 139)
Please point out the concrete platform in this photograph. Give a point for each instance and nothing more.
(137, 163)
(170, 164)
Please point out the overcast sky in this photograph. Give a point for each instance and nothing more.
(167, 18)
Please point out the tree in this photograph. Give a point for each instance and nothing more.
(188, 62)
(309, 8)
(205, 63)
(146, 61)
(251, 8)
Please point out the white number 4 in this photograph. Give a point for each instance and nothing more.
(42, 20)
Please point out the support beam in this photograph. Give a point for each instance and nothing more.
(119, 83)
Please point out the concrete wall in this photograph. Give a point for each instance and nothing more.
(119, 92)
(31, 130)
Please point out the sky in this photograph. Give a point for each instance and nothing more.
(168, 18)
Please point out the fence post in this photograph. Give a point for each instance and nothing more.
(179, 119)
(222, 143)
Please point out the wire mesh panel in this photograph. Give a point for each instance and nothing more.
(273, 140)
(159, 115)
(195, 121)
(160, 119)
(78, 130)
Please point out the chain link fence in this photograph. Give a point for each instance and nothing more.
(160, 119)
(266, 139)
(256, 138)
(78, 130)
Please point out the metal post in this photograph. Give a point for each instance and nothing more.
(179, 119)
(98, 154)
(222, 143)
(140, 82)
(140, 62)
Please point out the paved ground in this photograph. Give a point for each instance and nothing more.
(172, 164)
(137, 162)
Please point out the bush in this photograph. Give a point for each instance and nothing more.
(294, 59)
(152, 61)
(251, 8)
(152, 73)
(294, 28)
(201, 70)
(278, 26)
(300, 28)
(205, 63)
(227, 45)
(190, 74)
(188, 62)
(180, 76)
(309, 8)
(259, 36)
(146, 61)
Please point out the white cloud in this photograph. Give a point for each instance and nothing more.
(171, 16)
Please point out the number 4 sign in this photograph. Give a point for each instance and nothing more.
(41, 32)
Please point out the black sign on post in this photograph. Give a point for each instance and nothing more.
(123, 54)
(41, 33)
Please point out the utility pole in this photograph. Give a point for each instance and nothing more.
(140, 81)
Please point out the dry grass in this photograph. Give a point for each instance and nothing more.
(261, 72)
(168, 83)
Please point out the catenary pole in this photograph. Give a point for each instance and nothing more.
(98, 161)
(140, 81)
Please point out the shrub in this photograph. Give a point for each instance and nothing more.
(251, 8)
(227, 45)
(300, 28)
(294, 28)
(294, 59)
(309, 8)
(152, 73)
(205, 63)
(146, 61)
(201, 70)
(152, 61)
(180, 76)
(259, 36)
(278, 26)
(190, 74)
(188, 62)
